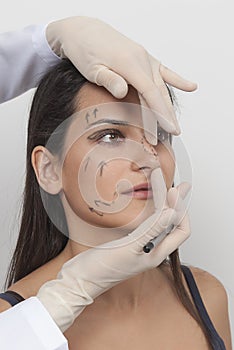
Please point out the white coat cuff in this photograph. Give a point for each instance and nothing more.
(28, 325)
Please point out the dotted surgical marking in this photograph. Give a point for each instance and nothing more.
(153, 151)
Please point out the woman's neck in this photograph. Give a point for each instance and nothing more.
(129, 294)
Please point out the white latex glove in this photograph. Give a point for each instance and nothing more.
(98, 269)
(108, 58)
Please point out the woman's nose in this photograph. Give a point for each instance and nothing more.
(146, 156)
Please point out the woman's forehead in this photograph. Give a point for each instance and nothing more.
(109, 115)
(96, 107)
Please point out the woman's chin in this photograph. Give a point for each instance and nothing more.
(133, 221)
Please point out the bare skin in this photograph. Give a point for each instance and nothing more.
(133, 323)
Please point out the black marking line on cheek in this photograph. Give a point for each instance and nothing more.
(95, 211)
(115, 194)
(154, 152)
(97, 202)
(85, 168)
(101, 165)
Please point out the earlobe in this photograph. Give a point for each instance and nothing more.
(46, 169)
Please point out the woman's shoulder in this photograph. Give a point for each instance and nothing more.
(208, 284)
(30, 284)
(215, 300)
(214, 297)
(203, 275)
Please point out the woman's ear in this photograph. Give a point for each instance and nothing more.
(46, 169)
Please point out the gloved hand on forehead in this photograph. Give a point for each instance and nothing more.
(108, 58)
(92, 272)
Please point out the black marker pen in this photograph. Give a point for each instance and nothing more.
(155, 241)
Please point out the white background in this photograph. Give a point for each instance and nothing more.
(195, 38)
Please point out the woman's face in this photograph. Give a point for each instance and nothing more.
(105, 156)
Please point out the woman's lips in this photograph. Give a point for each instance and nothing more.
(142, 191)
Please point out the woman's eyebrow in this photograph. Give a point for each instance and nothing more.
(108, 121)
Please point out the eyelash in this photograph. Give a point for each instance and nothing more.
(101, 134)
(162, 136)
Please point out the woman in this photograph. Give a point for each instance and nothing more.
(147, 307)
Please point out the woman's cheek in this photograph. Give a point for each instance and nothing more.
(108, 178)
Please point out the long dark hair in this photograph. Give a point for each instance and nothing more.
(39, 239)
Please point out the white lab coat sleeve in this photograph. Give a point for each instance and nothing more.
(25, 56)
(29, 326)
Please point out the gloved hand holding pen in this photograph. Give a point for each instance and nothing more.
(110, 59)
(92, 272)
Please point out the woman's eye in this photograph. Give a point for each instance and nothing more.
(109, 137)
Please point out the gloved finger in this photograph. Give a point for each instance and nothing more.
(112, 81)
(173, 198)
(161, 86)
(140, 76)
(167, 218)
(175, 80)
(151, 228)
(184, 188)
(165, 116)
(159, 189)
(170, 243)
(149, 123)
(176, 202)
(118, 87)
(181, 190)
(162, 75)
(149, 94)
(148, 229)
